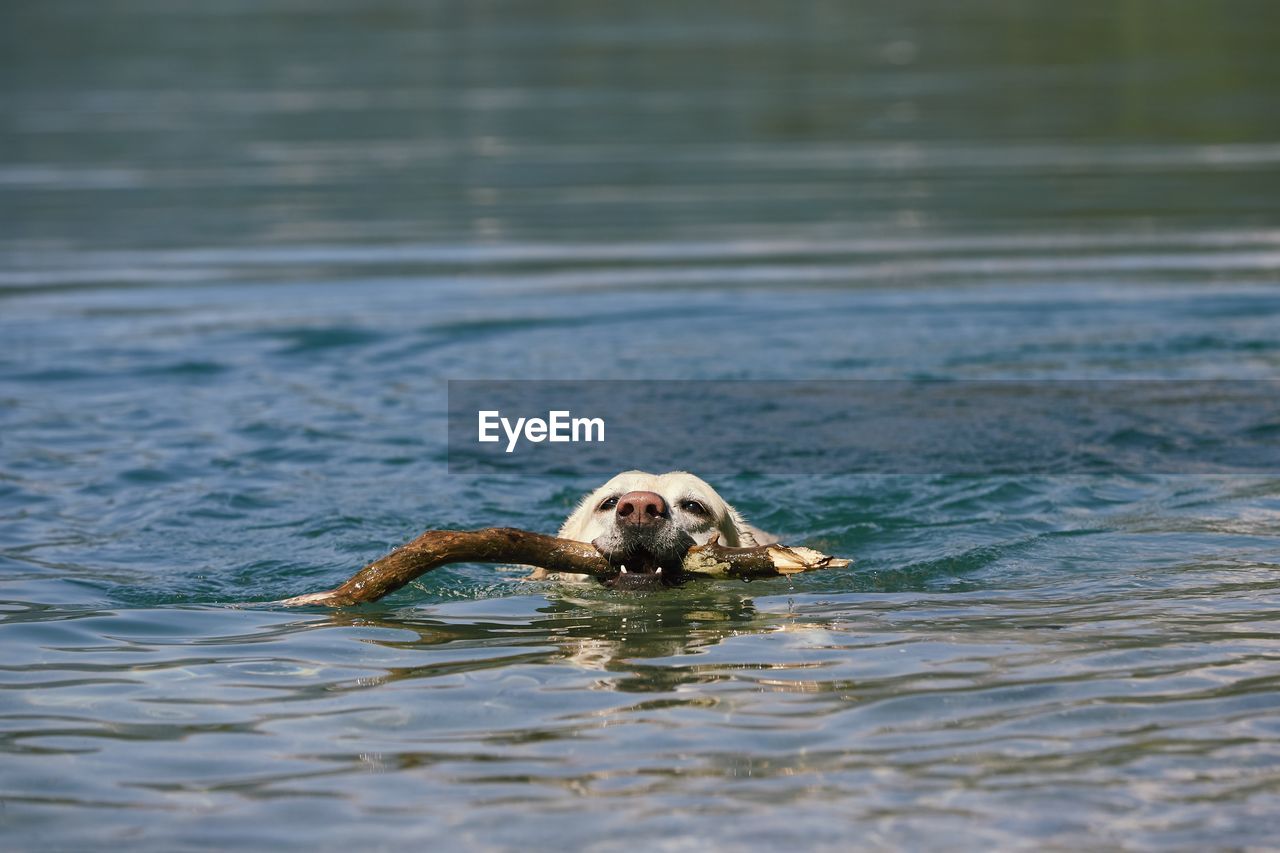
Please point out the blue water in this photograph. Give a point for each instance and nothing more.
(244, 245)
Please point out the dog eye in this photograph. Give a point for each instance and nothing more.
(609, 503)
(694, 507)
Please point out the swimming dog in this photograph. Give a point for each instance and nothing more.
(645, 523)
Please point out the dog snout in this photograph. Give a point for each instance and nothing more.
(641, 508)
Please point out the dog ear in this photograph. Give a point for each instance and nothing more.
(735, 530)
(575, 525)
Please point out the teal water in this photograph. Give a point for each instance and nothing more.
(244, 245)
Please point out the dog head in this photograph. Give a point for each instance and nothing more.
(646, 522)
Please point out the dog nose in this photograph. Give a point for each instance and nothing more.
(641, 508)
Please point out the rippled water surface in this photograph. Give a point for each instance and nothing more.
(244, 244)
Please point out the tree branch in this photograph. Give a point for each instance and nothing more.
(437, 548)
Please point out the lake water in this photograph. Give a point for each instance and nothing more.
(243, 245)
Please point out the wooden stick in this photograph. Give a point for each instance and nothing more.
(436, 548)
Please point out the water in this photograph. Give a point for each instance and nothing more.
(245, 244)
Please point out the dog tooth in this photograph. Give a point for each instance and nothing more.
(624, 570)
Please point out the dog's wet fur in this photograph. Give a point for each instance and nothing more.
(645, 523)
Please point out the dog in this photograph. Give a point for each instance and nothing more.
(645, 523)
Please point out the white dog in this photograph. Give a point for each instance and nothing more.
(645, 523)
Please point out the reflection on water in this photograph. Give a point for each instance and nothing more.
(243, 245)
(910, 710)
(596, 629)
